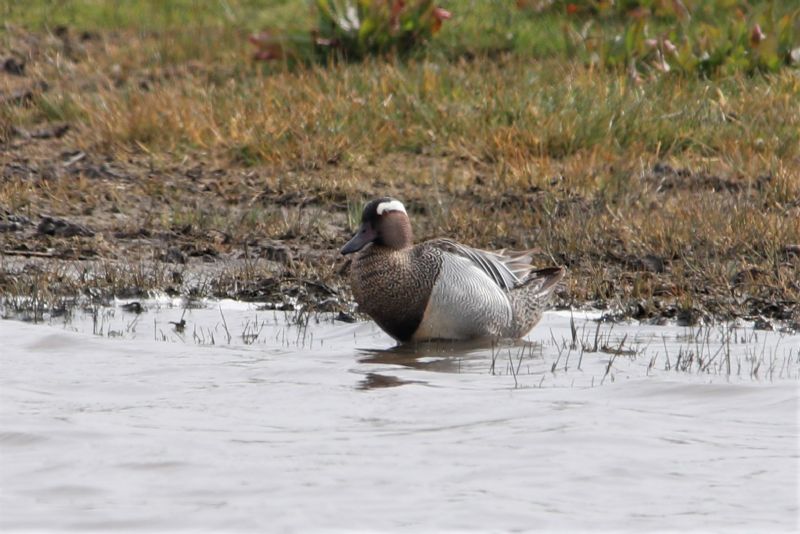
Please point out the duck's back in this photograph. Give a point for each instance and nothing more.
(464, 303)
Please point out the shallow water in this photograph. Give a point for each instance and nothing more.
(243, 421)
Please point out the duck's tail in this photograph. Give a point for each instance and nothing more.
(529, 299)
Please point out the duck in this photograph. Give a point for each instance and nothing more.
(440, 289)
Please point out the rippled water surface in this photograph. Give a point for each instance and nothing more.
(243, 421)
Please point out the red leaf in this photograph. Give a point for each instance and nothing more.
(441, 14)
(269, 47)
(756, 36)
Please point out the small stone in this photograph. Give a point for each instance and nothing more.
(174, 255)
(14, 66)
(345, 317)
(278, 252)
(62, 228)
(133, 307)
(763, 324)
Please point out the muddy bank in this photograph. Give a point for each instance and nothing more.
(61, 262)
(74, 224)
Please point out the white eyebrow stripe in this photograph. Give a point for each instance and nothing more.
(392, 205)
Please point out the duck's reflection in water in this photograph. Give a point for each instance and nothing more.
(379, 381)
(476, 356)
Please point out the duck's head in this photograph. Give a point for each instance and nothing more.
(384, 222)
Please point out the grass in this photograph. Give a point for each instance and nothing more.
(495, 135)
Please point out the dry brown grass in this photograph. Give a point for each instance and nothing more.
(674, 197)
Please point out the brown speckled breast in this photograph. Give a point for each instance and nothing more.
(393, 286)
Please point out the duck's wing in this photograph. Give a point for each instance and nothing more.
(507, 271)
